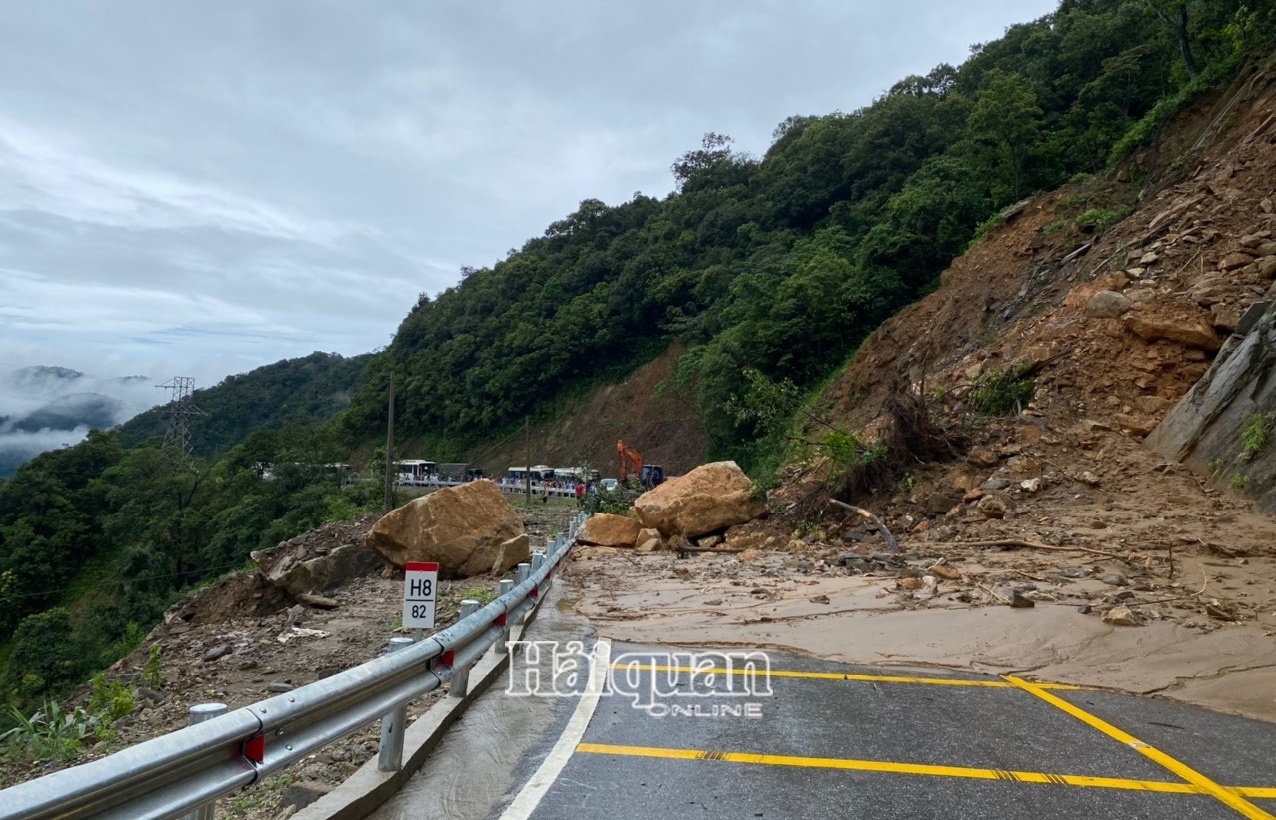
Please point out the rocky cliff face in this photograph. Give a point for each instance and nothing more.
(1222, 428)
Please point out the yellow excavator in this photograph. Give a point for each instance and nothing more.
(650, 475)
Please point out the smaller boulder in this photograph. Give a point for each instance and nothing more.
(1107, 304)
(1194, 332)
(1121, 616)
(648, 545)
(609, 530)
(301, 566)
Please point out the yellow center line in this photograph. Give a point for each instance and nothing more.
(1253, 791)
(890, 767)
(764, 672)
(1228, 797)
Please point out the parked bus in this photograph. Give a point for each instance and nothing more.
(540, 472)
(415, 471)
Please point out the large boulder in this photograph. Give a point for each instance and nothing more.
(319, 560)
(468, 530)
(608, 530)
(707, 499)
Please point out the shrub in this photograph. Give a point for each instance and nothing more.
(484, 595)
(617, 501)
(1146, 130)
(1098, 219)
(153, 674)
(1254, 434)
(130, 640)
(50, 734)
(1002, 392)
(986, 227)
(110, 700)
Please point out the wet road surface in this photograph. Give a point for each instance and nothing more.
(771, 735)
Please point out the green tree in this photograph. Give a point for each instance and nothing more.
(44, 658)
(1007, 121)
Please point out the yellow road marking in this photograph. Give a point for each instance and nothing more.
(889, 767)
(1251, 791)
(761, 672)
(1228, 797)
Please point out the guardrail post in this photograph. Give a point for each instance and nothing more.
(393, 724)
(524, 570)
(502, 646)
(461, 677)
(538, 559)
(198, 714)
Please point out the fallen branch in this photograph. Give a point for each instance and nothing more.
(877, 522)
(996, 595)
(1077, 253)
(1018, 542)
(1037, 367)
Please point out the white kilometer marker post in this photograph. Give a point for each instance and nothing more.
(420, 588)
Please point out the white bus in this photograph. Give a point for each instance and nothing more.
(541, 472)
(415, 471)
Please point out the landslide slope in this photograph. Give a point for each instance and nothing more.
(1193, 254)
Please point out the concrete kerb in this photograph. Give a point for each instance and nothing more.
(365, 790)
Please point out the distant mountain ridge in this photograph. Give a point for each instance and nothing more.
(43, 407)
(38, 374)
(318, 386)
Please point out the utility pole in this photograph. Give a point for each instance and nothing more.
(389, 449)
(527, 442)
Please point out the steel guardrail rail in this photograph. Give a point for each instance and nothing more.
(185, 770)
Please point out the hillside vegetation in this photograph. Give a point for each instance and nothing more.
(768, 272)
(783, 264)
(97, 540)
(317, 386)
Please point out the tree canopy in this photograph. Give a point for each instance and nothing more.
(785, 263)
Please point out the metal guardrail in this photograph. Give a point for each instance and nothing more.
(181, 773)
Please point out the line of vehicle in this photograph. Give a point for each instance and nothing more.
(924, 769)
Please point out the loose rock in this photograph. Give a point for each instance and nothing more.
(1121, 616)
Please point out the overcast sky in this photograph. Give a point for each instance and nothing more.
(200, 188)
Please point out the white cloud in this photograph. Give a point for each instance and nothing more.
(48, 171)
(206, 189)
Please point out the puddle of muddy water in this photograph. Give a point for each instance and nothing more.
(1052, 642)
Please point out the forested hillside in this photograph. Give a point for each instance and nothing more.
(317, 386)
(784, 263)
(764, 269)
(97, 540)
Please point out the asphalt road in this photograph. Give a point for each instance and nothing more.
(823, 740)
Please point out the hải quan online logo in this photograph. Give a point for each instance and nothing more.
(678, 684)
